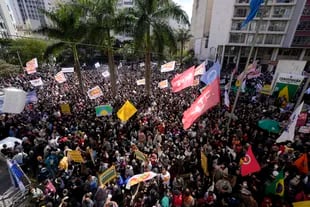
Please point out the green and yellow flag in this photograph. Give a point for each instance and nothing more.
(127, 111)
(284, 93)
(277, 186)
(107, 175)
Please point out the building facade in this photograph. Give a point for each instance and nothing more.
(283, 33)
(7, 22)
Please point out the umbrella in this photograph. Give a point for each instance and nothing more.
(269, 125)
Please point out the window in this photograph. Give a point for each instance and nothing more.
(265, 11)
(306, 11)
(236, 25)
(273, 39)
(263, 26)
(281, 12)
(243, 1)
(301, 40)
(277, 26)
(304, 26)
(285, 1)
(241, 12)
(237, 38)
(259, 39)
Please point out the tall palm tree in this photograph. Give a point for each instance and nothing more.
(103, 21)
(68, 30)
(152, 16)
(183, 36)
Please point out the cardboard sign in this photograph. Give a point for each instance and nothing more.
(76, 156)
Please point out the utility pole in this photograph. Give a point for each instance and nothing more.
(248, 61)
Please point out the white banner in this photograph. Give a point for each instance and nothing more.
(94, 92)
(68, 70)
(37, 82)
(163, 84)
(31, 66)
(106, 74)
(141, 82)
(168, 67)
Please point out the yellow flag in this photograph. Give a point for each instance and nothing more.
(127, 111)
(302, 204)
(204, 163)
(284, 93)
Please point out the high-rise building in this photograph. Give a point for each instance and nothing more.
(7, 21)
(283, 34)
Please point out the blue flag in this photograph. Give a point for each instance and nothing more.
(254, 5)
(213, 73)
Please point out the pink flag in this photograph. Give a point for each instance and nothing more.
(209, 97)
(249, 163)
(183, 80)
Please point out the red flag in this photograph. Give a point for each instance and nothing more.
(183, 80)
(302, 164)
(209, 97)
(249, 163)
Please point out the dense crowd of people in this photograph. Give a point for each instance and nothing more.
(156, 130)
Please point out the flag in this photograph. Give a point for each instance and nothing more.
(226, 99)
(127, 111)
(204, 163)
(65, 108)
(284, 93)
(60, 77)
(168, 67)
(63, 164)
(254, 6)
(68, 70)
(289, 131)
(213, 73)
(31, 66)
(302, 164)
(141, 82)
(16, 175)
(209, 97)
(37, 82)
(103, 110)
(31, 97)
(277, 186)
(301, 204)
(249, 163)
(163, 84)
(140, 155)
(183, 80)
(200, 69)
(107, 175)
(140, 178)
(94, 92)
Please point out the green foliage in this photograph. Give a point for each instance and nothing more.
(7, 69)
(28, 49)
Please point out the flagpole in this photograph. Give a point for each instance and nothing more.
(303, 91)
(247, 62)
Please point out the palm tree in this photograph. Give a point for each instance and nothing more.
(103, 21)
(151, 17)
(183, 36)
(68, 30)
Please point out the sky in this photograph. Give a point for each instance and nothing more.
(187, 5)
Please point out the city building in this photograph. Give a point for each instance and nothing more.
(7, 21)
(283, 34)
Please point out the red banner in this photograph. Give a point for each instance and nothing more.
(209, 97)
(183, 80)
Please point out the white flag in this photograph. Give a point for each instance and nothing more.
(226, 99)
(37, 82)
(289, 132)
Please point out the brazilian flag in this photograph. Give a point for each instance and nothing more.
(277, 186)
(103, 110)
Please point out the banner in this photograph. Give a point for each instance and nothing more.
(107, 175)
(95, 92)
(201, 69)
(140, 178)
(103, 110)
(31, 66)
(68, 70)
(183, 80)
(141, 82)
(204, 163)
(291, 81)
(167, 67)
(31, 97)
(75, 156)
(65, 109)
(60, 77)
(211, 74)
(37, 82)
(163, 84)
(209, 97)
(127, 111)
(105, 74)
(14, 100)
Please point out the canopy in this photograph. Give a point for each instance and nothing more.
(269, 125)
